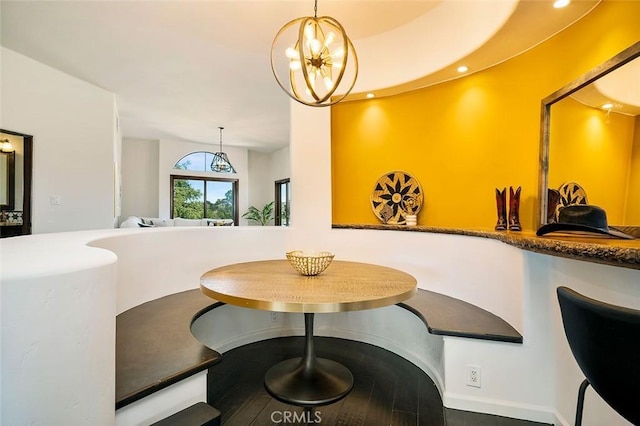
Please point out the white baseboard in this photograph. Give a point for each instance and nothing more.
(503, 408)
(560, 420)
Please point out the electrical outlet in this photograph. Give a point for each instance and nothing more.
(474, 376)
(275, 317)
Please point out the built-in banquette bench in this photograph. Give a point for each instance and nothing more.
(155, 347)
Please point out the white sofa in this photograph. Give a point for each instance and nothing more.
(153, 222)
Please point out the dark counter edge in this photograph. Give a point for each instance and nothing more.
(598, 251)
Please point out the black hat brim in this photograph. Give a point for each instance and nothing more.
(559, 227)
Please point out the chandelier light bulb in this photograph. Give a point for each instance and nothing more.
(315, 46)
(295, 65)
(292, 53)
(328, 83)
(329, 39)
(309, 31)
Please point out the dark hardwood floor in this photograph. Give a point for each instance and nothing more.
(387, 390)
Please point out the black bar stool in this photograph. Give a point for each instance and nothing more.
(605, 341)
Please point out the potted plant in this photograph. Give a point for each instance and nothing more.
(262, 217)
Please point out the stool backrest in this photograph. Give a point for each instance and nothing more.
(605, 341)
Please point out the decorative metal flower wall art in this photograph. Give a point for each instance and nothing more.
(395, 195)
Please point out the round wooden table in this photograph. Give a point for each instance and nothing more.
(274, 285)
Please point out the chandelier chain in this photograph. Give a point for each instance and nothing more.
(315, 9)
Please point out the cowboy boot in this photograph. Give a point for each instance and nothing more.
(514, 209)
(501, 203)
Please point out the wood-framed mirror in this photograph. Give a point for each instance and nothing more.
(594, 145)
(16, 216)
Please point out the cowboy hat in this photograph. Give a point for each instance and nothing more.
(582, 217)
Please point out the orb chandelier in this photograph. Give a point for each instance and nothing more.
(314, 61)
(220, 162)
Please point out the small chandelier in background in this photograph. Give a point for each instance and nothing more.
(220, 162)
(314, 61)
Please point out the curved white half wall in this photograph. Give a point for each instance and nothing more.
(60, 296)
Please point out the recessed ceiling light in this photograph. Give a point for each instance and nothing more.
(558, 4)
(463, 68)
(608, 105)
(371, 95)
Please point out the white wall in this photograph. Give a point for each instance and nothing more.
(280, 164)
(310, 175)
(58, 331)
(178, 266)
(261, 187)
(117, 168)
(73, 146)
(140, 177)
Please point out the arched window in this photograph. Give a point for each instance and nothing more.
(199, 161)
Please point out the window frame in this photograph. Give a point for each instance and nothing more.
(207, 169)
(235, 185)
(277, 208)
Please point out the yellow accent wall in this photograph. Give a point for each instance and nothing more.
(463, 138)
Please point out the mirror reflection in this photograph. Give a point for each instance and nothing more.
(7, 160)
(591, 142)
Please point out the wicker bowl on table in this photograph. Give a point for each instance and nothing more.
(310, 263)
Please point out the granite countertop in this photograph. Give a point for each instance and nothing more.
(608, 251)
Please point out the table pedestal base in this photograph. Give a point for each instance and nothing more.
(325, 382)
(308, 381)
